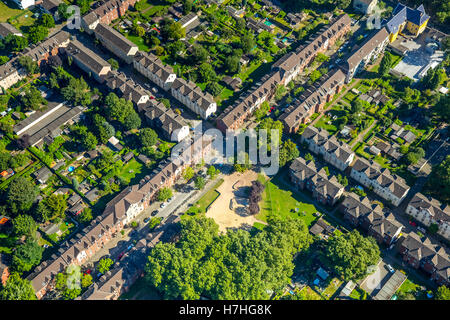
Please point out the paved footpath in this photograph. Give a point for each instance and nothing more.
(180, 202)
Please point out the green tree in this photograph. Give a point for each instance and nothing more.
(288, 152)
(77, 92)
(199, 54)
(159, 50)
(247, 43)
(30, 66)
(148, 137)
(52, 208)
(187, 7)
(212, 172)
(16, 43)
(21, 194)
(232, 64)
(62, 11)
(114, 64)
(24, 225)
(164, 194)
(438, 183)
(32, 99)
(46, 20)
(214, 88)
(133, 121)
(104, 265)
(3, 60)
(84, 5)
(443, 293)
(17, 288)
(37, 33)
(118, 108)
(351, 254)
(26, 256)
(385, 64)
(85, 216)
(86, 280)
(199, 182)
(188, 173)
(442, 108)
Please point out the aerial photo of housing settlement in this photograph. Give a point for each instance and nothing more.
(224, 150)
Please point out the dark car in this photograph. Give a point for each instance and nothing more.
(154, 213)
(146, 220)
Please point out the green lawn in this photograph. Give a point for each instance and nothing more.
(138, 41)
(332, 288)
(130, 170)
(323, 123)
(208, 198)
(358, 294)
(7, 12)
(279, 200)
(309, 294)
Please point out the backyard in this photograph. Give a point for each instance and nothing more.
(278, 200)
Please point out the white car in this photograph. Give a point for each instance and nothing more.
(389, 267)
(162, 205)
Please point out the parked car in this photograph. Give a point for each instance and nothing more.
(389, 267)
(162, 205)
(146, 220)
(154, 213)
(130, 246)
(421, 229)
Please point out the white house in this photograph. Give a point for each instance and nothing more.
(388, 186)
(428, 211)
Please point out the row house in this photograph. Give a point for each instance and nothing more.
(428, 211)
(354, 208)
(115, 42)
(368, 52)
(189, 94)
(87, 60)
(6, 29)
(77, 250)
(125, 272)
(168, 123)
(283, 71)
(126, 206)
(388, 186)
(233, 117)
(126, 88)
(312, 100)
(12, 72)
(291, 64)
(420, 253)
(106, 13)
(360, 212)
(152, 68)
(335, 152)
(307, 175)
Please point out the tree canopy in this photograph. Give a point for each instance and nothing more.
(17, 288)
(351, 254)
(21, 194)
(27, 255)
(235, 265)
